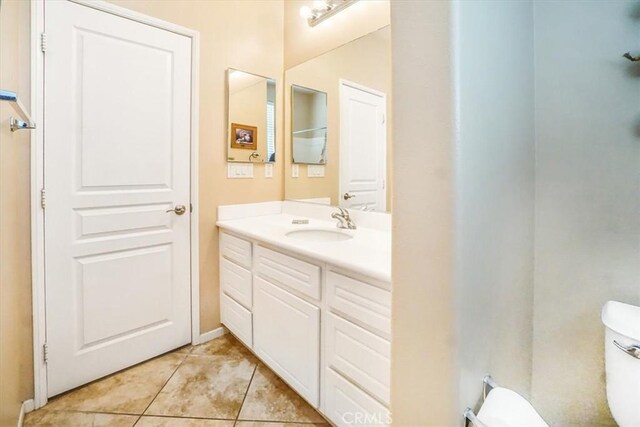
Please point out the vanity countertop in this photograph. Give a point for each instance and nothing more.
(367, 253)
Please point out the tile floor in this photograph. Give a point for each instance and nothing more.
(217, 384)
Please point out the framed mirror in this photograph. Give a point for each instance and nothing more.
(308, 126)
(251, 107)
(338, 139)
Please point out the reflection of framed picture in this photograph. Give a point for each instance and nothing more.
(243, 136)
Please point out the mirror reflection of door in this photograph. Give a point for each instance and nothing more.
(363, 146)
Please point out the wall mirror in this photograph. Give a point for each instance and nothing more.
(338, 127)
(308, 126)
(251, 106)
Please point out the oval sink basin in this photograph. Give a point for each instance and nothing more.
(316, 235)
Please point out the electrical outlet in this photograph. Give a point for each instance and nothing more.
(268, 170)
(295, 171)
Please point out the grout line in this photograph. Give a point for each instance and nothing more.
(245, 394)
(187, 417)
(162, 388)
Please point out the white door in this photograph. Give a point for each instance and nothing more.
(363, 147)
(117, 144)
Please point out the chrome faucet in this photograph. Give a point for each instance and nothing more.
(344, 219)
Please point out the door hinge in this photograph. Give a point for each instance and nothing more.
(43, 198)
(43, 42)
(45, 352)
(190, 207)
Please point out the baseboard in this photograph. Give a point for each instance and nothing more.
(211, 335)
(26, 407)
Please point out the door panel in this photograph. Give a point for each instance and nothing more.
(362, 149)
(286, 334)
(117, 149)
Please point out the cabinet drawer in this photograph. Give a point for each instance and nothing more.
(236, 282)
(287, 337)
(347, 405)
(360, 302)
(288, 271)
(359, 355)
(235, 249)
(237, 319)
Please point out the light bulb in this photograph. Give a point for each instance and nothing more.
(306, 12)
(320, 4)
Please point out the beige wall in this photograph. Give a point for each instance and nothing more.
(423, 350)
(16, 354)
(494, 193)
(366, 61)
(223, 44)
(302, 42)
(587, 199)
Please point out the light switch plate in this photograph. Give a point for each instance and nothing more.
(315, 171)
(268, 170)
(295, 171)
(239, 170)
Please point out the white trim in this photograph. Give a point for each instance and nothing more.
(37, 176)
(26, 407)
(383, 158)
(37, 214)
(212, 335)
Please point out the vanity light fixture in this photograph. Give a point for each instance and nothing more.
(323, 10)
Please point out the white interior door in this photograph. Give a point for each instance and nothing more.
(363, 147)
(117, 150)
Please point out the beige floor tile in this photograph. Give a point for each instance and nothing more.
(275, 424)
(205, 387)
(226, 345)
(185, 349)
(44, 418)
(181, 422)
(270, 399)
(127, 392)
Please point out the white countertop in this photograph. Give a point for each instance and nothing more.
(367, 253)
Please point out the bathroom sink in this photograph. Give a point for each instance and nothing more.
(319, 235)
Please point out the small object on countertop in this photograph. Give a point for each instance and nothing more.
(299, 221)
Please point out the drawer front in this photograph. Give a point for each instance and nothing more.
(347, 405)
(237, 319)
(360, 356)
(235, 249)
(360, 302)
(288, 271)
(287, 337)
(235, 281)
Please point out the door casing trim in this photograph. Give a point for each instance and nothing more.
(37, 177)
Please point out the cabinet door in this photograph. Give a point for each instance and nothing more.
(287, 337)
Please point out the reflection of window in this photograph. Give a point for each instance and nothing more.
(271, 130)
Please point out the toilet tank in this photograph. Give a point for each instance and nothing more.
(622, 323)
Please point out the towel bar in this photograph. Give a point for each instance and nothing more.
(14, 123)
(488, 384)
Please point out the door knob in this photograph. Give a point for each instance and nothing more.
(348, 196)
(178, 210)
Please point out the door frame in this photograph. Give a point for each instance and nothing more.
(37, 177)
(342, 83)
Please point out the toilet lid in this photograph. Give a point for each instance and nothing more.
(622, 318)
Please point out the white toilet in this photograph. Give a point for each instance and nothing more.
(622, 360)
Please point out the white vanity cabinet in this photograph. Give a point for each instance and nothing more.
(324, 330)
